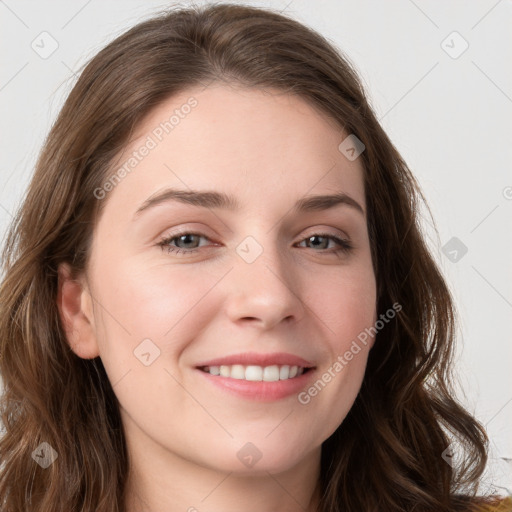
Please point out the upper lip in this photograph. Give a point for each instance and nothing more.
(256, 359)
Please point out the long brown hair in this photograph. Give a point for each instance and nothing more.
(387, 455)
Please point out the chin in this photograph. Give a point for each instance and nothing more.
(253, 458)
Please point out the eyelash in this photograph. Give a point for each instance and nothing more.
(344, 245)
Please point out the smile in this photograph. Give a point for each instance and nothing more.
(256, 373)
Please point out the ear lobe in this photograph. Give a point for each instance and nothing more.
(74, 303)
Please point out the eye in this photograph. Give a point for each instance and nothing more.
(186, 242)
(321, 241)
(189, 242)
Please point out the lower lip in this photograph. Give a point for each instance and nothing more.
(260, 391)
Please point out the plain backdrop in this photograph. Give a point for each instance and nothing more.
(438, 75)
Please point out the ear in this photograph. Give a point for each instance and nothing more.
(74, 302)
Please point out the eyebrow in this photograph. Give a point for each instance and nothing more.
(221, 200)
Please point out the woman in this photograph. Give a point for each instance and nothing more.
(295, 356)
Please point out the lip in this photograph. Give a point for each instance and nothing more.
(259, 391)
(257, 359)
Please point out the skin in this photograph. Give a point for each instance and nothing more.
(269, 150)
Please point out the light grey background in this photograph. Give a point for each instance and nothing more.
(447, 110)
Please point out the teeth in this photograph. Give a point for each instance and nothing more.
(237, 371)
(271, 373)
(256, 373)
(214, 370)
(284, 372)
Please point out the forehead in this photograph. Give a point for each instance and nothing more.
(248, 141)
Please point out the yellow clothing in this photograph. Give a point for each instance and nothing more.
(504, 505)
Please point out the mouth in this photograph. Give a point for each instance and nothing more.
(255, 373)
(263, 377)
(258, 383)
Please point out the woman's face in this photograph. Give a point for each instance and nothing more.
(259, 278)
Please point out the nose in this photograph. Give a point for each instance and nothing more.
(264, 292)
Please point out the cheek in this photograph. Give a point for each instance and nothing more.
(346, 303)
(142, 300)
(347, 308)
(149, 314)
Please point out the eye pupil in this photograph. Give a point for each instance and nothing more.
(312, 238)
(187, 239)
